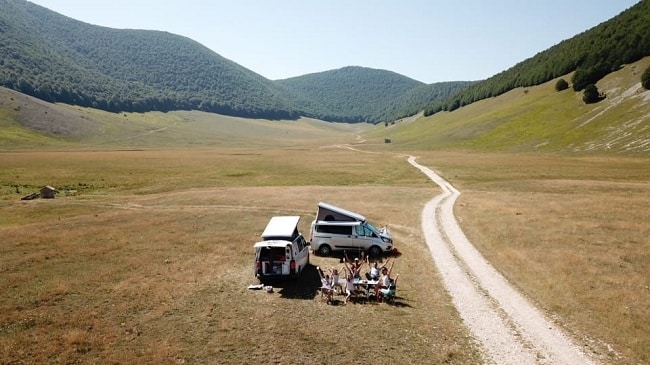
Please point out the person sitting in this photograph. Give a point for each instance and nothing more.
(335, 278)
(389, 290)
(354, 266)
(384, 280)
(349, 286)
(375, 270)
(326, 285)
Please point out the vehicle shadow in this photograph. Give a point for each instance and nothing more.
(304, 287)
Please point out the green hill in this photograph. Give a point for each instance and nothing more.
(360, 94)
(59, 59)
(540, 119)
(592, 55)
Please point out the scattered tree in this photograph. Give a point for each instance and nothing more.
(592, 95)
(561, 84)
(645, 78)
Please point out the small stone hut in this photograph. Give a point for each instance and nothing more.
(48, 192)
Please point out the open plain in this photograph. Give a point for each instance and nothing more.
(145, 256)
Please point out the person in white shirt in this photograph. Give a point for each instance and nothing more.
(335, 280)
(349, 286)
(375, 269)
(326, 285)
(384, 280)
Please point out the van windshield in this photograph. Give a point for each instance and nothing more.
(367, 230)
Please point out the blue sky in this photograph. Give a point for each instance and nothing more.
(427, 40)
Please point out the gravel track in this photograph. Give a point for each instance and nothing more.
(508, 328)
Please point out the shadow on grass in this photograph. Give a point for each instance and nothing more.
(304, 287)
(399, 302)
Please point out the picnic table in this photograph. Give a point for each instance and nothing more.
(362, 288)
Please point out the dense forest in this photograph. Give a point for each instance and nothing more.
(59, 59)
(592, 55)
(359, 94)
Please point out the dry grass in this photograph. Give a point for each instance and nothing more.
(150, 261)
(570, 233)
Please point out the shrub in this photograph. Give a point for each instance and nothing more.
(645, 78)
(592, 95)
(561, 84)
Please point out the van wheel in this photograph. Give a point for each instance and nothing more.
(374, 251)
(324, 250)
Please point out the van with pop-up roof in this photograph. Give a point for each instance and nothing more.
(283, 251)
(338, 229)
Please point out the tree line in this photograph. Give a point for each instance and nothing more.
(592, 55)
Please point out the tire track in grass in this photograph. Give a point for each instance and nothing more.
(508, 328)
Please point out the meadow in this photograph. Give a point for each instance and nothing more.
(150, 260)
(571, 233)
(146, 254)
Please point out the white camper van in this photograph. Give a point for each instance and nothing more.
(283, 251)
(337, 229)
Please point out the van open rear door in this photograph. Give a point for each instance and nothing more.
(272, 260)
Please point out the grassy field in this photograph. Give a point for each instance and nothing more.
(571, 233)
(540, 119)
(150, 261)
(146, 254)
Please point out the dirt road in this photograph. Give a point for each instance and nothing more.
(508, 328)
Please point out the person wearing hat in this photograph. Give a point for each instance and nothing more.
(355, 266)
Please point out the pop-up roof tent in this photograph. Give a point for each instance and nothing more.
(328, 212)
(281, 228)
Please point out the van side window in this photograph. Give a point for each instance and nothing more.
(333, 229)
(301, 243)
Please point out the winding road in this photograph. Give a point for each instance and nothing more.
(508, 328)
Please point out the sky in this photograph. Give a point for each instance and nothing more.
(426, 40)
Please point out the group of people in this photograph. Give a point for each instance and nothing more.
(330, 282)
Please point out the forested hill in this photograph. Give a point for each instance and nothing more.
(59, 59)
(592, 55)
(360, 94)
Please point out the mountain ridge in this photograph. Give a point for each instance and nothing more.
(60, 59)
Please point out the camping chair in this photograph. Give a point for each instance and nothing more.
(327, 293)
(388, 294)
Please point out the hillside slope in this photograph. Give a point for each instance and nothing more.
(27, 123)
(592, 54)
(540, 119)
(59, 59)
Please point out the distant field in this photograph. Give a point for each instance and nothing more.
(150, 260)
